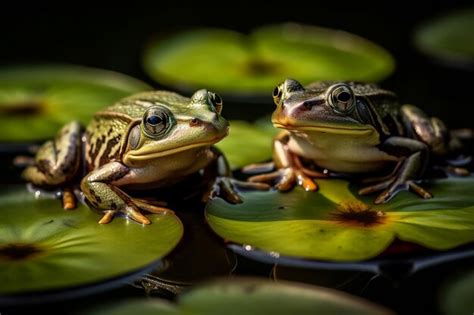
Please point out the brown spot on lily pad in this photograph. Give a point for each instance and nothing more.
(356, 213)
(261, 67)
(22, 109)
(19, 251)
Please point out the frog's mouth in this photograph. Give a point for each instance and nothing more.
(142, 156)
(354, 130)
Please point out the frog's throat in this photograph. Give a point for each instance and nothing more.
(154, 155)
(326, 129)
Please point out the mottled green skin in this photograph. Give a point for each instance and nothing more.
(118, 152)
(370, 134)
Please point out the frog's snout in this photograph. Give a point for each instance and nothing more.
(213, 124)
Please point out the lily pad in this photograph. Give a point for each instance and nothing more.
(43, 247)
(335, 224)
(247, 143)
(449, 37)
(233, 63)
(250, 296)
(36, 100)
(456, 297)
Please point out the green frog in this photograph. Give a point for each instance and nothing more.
(353, 129)
(149, 140)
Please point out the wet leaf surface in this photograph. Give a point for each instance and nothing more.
(254, 64)
(456, 296)
(449, 37)
(336, 224)
(44, 247)
(250, 296)
(36, 100)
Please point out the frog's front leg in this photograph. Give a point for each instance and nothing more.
(101, 192)
(414, 156)
(219, 175)
(290, 171)
(57, 162)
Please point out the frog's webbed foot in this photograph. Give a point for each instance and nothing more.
(129, 211)
(101, 194)
(228, 189)
(132, 211)
(285, 179)
(413, 156)
(391, 187)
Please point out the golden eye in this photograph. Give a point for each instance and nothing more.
(277, 93)
(216, 101)
(156, 121)
(341, 98)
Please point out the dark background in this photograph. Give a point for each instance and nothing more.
(113, 37)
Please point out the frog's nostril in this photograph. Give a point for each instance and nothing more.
(195, 122)
(307, 105)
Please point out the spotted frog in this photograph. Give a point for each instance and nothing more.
(354, 129)
(149, 140)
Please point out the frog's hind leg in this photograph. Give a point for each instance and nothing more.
(57, 162)
(414, 158)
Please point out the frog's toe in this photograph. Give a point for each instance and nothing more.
(224, 188)
(107, 217)
(130, 212)
(265, 178)
(306, 182)
(142, 204)
(383, 197)
(258, 168)
(69, 199)
(457, 171)
(398, 186)
(376, 187)
(287, 179)
(419, 190)
(135, 215)
(284, 179)
(250, 185)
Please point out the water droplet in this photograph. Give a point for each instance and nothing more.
(275, 254)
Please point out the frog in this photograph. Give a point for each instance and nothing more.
(354, 130)
(149, 140)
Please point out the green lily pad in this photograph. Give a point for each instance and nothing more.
(449, 37)
(44, 247)
(233, 63)
(456, 296)
(247, 143)
(336, 224)
(36, 100)
(250, 296)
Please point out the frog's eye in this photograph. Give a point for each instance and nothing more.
(216, 101)
(277, 93)
(341, 98)
(156, 121)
